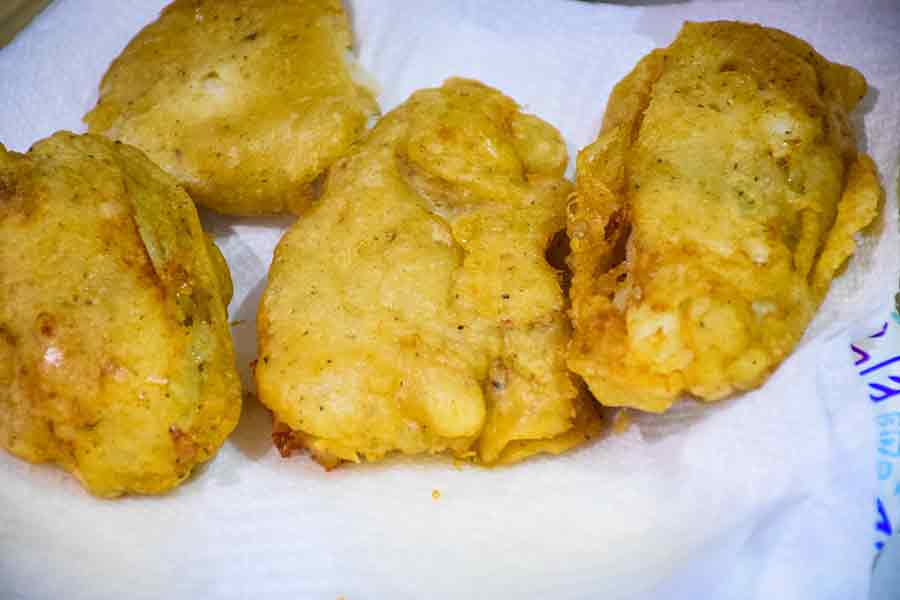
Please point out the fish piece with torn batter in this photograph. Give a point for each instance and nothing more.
(712, 213)
(116, 360)
(412, 309)
(245, 103)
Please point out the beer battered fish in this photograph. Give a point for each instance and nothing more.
(246, 103)
(711, 214)
(116, 360)
(412, 309)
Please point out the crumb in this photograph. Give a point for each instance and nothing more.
(460, 463)
(622, 421)
(237, 322)
(435, 494)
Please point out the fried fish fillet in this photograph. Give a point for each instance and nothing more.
(245, 103)
(711, 214)
(412, 309)
(116, 361)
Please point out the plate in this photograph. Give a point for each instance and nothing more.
(768, 495)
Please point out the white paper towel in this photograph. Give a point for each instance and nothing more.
(768, 495)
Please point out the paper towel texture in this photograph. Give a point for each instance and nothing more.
(768, 495)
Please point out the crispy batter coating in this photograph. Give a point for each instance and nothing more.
(245, 103)
(412, 309)
(115, 357)
(711, 214)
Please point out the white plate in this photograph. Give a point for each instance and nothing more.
(766, 496)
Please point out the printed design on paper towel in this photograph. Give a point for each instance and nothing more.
(877, 360)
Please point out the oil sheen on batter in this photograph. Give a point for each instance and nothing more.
(711, 214)
(246, 102)
(412, 309)
(116, 359)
